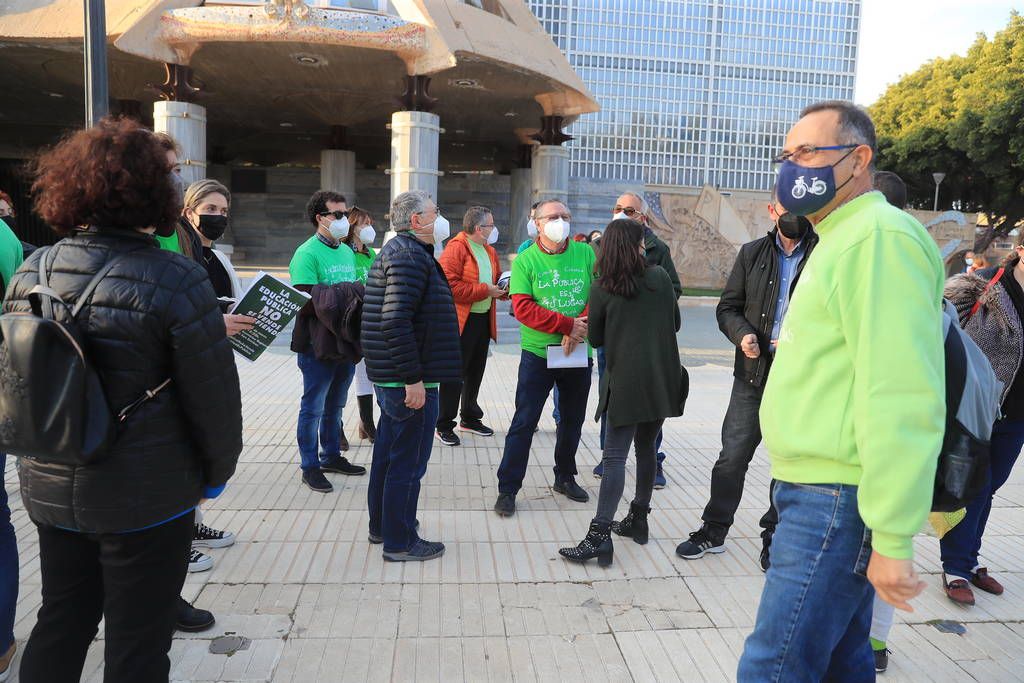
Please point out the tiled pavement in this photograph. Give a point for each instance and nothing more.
(319, 604)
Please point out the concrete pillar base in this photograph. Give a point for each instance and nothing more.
(186, 123)
(519, 205)
(415, 137)
(550, 177)
(338, 172)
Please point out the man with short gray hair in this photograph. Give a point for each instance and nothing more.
(853, 414)
(410, 340)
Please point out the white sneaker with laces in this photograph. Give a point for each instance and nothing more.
(199, 562)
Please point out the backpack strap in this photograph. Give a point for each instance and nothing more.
(956, 372)
(83, 298)
(989, 286)
(43, 290)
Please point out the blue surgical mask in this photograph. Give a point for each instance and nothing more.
(805, 190)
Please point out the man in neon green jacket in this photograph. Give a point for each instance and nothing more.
(854, 412)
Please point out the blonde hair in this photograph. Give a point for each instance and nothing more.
(201, 189)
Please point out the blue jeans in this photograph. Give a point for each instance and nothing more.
(961, 545)
(535, 382)
(815, 612)
(324, 391)
(8, 567)
(405, 439)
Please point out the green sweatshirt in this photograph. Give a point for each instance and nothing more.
(856, 393)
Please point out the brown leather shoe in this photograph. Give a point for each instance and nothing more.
(958, 590)
(982, 580)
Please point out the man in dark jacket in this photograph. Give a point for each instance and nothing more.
(750, 314)
(410, 339)
(631, 205)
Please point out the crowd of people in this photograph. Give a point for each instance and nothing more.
(843, 382)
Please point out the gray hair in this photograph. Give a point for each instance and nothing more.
(474, 217)
(855, 124)
(405, 205)
(544, 202)
(645, 208)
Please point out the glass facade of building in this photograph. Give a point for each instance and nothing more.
(699, 92)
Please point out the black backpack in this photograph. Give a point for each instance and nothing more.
(972, 407)
(52, 404)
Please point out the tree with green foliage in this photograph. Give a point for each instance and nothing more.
(962, 116)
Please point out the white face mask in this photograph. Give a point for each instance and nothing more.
(442, 229)
(620, 217)
(557, 230)
(531, 228)
(969, 261)
(367, 234)
(493, 237)
(339, 228)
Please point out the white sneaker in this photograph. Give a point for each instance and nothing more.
(205, 537)
(198, 562)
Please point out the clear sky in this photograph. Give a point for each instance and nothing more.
(897, 36)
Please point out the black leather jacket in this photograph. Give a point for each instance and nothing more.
(152, 317)
(410, 331)
(748, 302)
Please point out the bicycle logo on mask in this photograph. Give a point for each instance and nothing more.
(800, 187)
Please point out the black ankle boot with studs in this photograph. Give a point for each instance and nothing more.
(634, 525)
(598, 543)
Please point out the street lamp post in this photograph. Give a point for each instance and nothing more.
(97, 97)
(938, 177)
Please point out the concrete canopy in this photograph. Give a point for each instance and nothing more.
(275, 80)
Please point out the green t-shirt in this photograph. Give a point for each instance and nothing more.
(11, 254)
(170, 243)
(483, 263)
(315, 263)
(399, 385)
(557, 282)
(363, 263)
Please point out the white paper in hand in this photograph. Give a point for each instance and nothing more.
(558, 359)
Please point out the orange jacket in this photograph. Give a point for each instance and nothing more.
(463, 275)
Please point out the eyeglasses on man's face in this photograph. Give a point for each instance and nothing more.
(338, 215)
(804, 153)
(555, 216)
(628, 210)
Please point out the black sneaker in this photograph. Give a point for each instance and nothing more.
(881, 660)
(505, 506)
(766, 544)
(190, 619)
(340, 465)
(420, 551)
(448, 437)
(205, 537)
(198, 562)
(571, 490)
(377, 539)
(316, 480)
(701, 543)
(478, 428)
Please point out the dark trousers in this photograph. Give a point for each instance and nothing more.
(741, 434)
(961, 545)
(535, 383)
(616, 452)
(8, 567)
(475, 338)
(131, 580)
(405, 439)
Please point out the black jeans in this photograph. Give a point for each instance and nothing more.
(131, 580)
(475, 338)
(535, 382)
(741, 434)
(616, 450)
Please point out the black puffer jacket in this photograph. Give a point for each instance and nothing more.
(410, 332)
(748, 302)
(152, 317)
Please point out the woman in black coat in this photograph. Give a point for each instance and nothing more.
(114, 534)
(634, 316)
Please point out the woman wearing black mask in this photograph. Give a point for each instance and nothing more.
(206, 212)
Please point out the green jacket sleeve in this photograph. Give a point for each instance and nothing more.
(888, 303)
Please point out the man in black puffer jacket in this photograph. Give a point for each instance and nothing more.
(410, 339)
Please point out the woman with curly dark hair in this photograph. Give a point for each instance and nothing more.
(634, 317)
(114, 534)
